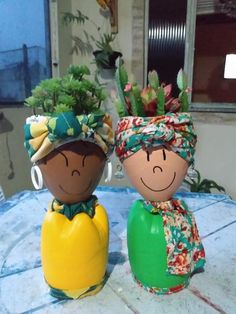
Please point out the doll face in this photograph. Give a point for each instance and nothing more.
(72, 172)
(156, 173)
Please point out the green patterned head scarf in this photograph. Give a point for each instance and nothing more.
(43, 134)
(174, 129)
(70, 211)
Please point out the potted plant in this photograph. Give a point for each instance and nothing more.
(195, 183)
(68, 146)
(105, 55)
(155, 141)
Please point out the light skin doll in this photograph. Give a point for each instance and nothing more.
(164, 246)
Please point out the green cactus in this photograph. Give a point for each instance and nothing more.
(121, 81)
(182, 84)
(120, 108)
(155, 97)
(160, 101)
(183, 97)
(138, 100)
(153, 80)
(182, 81)
(134, 96)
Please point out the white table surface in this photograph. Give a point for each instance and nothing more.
(22, 286)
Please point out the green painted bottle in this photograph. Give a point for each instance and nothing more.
(147, 252)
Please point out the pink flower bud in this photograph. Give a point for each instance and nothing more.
(128, 87)
(188, 90)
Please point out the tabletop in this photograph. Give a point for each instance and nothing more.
(23, 289)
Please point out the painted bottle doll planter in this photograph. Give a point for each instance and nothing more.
(164, 246)
(71, 152)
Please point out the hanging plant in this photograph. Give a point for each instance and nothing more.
(101, 45)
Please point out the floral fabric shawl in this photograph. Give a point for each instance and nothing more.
(46, 133)
(175, 129)
(185, 252)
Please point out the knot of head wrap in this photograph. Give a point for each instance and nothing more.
(43, 136)
(174, 129)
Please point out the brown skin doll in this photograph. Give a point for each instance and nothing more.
(70, 152)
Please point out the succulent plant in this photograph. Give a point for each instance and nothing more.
(72, 92)
(154, 99)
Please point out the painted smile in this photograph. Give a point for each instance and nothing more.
(88, 187)
(161, 189)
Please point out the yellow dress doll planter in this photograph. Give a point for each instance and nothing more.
(164, 246)
(69, 150)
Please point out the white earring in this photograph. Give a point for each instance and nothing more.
(38, 184)
(109, 171)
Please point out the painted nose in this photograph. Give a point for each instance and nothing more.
(75, 172)
(157, 167)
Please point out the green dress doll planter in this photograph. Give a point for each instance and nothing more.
(69, 147)
(164, 246)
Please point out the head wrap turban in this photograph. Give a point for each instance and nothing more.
(174, 129)
(47, 133)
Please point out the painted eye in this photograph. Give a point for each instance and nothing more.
(66, 159)
(164, 154)
(83, 160)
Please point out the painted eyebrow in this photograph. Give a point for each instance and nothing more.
(67, 162)
(148, 155)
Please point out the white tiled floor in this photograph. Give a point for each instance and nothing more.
(23, 290)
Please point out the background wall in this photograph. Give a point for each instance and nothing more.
(14, 162)
(216, 148)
